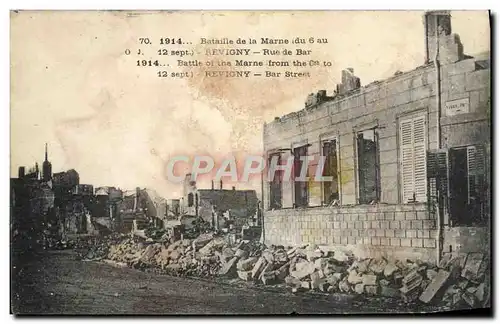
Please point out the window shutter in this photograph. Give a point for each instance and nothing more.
(437, 173)
(475, 172)
(419, 155)
(407, 160)
(413, 159)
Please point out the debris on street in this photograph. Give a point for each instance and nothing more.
(458, 280)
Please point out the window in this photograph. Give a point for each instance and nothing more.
(412, 136)
(275, 186)
(330, 169)
(467, 186)
(368, 166)
(301, 187)
(190, 199)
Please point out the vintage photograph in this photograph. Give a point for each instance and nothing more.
(250, 162)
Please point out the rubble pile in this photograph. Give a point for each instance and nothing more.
(95, 247)
(458, 280)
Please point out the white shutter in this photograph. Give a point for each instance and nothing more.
(406, 159)
(419, 155)
(413, 159)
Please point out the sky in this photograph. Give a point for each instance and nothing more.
(74, 87)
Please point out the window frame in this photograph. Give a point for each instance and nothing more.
(322, 140)
(294, 147)
(378, 191)
(270, 155)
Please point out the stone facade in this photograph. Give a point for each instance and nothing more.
(455, 113)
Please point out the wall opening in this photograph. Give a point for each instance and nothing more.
(368, 166)
(330, 188)
(301, 187)
(275, 185)
(467, 186)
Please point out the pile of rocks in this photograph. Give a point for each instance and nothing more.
(459, 280)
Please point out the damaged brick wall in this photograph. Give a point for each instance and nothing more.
(399, 231)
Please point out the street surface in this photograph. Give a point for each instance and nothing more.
(56, 283)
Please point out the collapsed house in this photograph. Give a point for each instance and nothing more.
(407, 157)
(241, 206)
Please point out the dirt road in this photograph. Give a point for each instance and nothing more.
(56, 283)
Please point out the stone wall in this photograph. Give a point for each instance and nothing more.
(382, 105)
(393, 231)
(379, 105)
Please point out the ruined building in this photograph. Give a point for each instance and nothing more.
(408, 157)
(241, 204)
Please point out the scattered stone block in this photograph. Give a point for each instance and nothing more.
(247, 264)
(242, 254)
(369, 280)
(245, 275)
(174, 255)
(443, 263)
(480, 292)
(321, 263)
(228, 268)
(258, 267)
(389, 270)
(377, 266)
(411, 277)
(354, 277)
(324, 286)
(312, 256)
(334, 279)
(363, 265)
(410, 296)
(398, 278)
(472, 266)
(435, 286)
(268, 278)
(306, 270)
(315, 280)
(305, 285)
(470, 299)
(384, 282)
(282, 272)
(371, 290)
(340, 256)
(269, 267)
(268, 255)
(344, 286)
(359, 288)
(201, 241)
(431, 274)
(463, 284)
(331, 289)
(292, 282)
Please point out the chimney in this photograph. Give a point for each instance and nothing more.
(21, 172)
(234, 188)
(212, 185)
(439, 37)
(349, 81)
(220, 184)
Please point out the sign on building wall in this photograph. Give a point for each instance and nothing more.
(457, 107)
